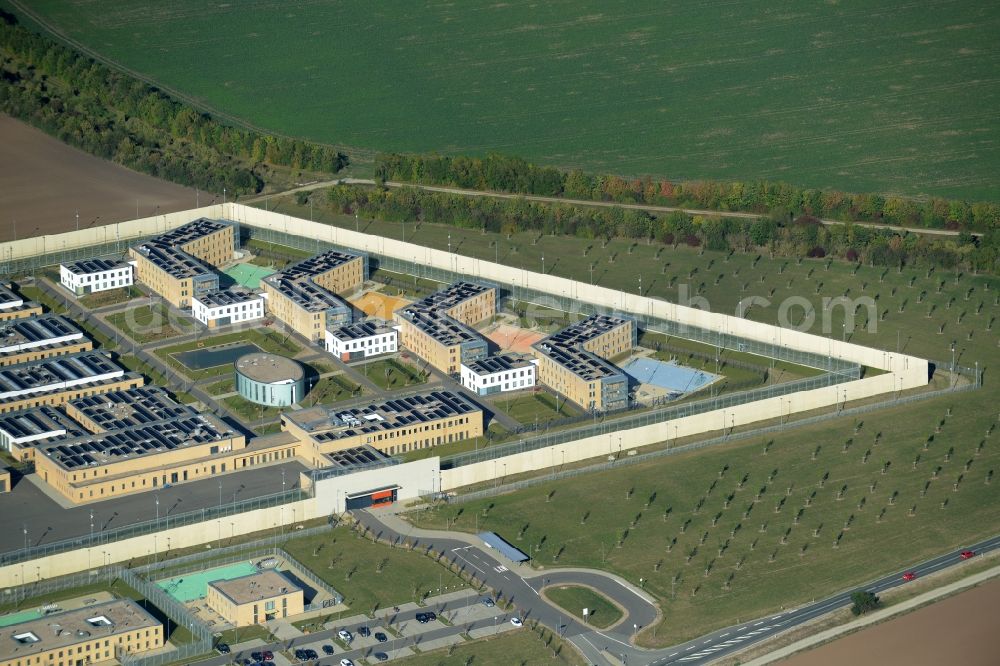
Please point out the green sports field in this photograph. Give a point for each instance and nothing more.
(859, 95)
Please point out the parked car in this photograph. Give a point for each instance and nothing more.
(268, 656)
(488, 602)
(345, 635)
(516, 621)
(381, 656)
(909, 575)
(328, 649)
(223, 648)
(431, 616)
(967, 554)
(300, 654)
(422, 618)
(346, 662)
(380, 637)
(311, 654)
(364, 631)
(257, 656)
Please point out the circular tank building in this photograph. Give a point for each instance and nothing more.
(269, 379)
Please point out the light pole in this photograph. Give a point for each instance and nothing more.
(77, 220)
(953, 363)
(157, 498)
(543, 263)
(640, 284)
(449, 243)
(357, 223)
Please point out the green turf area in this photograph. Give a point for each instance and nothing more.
(516, 648)
(855, 95)
(249, 412)
(268, 429)
(227, 385)
(267, 339)
(369, 575)
(248, 275)
(109, 297)
(601, 613)
(332, 389)
(531, 408)
(390, 374)
(151, 323)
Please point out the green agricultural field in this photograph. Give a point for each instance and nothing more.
(854, 95)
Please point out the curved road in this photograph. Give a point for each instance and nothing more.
(521, 587)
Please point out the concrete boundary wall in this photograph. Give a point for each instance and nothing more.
(147, 545)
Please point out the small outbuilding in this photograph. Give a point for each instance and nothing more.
(256, 598)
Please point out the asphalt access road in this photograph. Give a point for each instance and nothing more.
(481, 562)
(26, 506)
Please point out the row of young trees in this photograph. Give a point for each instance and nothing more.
(803, 236)
(512, 174)
(110, 114)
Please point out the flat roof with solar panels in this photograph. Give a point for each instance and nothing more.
(173, 261)
(38, 425)
(499, 363)
(361, 330)
(191, 231)
(565, 347)
(36, 332)
(358, 458)
(8, 299)
(228, 297)
(90, 266)
(324, 424)
(296, 281)
(56, 373)
(107, 448)
(138, 406)
(321, 263)
(431, 314)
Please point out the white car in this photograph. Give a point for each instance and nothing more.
(346, 662)
(516, 621)
(345, 635)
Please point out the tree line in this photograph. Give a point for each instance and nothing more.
(802, 236)
(113, 115)
(501, 173)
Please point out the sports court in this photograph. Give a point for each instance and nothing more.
(193, 586)
(668, 375)
(248, 275)
(377, 304)
(514, 338)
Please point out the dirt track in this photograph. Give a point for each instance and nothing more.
(959, 630)
(44, 182)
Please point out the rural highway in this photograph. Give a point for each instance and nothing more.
(615, 645)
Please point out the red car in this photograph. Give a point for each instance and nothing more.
(909, 575)
(967, 554)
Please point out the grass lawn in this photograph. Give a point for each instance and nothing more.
(268, 429)
(390, 374)
(521, 647)
(529, 408)
(267, 339)
(332, 389)
(151, 323)
(233, 636)
(109, 297)
(400, 284)
(247, 411)
(574, 598)
(370, 575)
(227, 385)
(669, 88)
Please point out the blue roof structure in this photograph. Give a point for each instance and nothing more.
(497, 543)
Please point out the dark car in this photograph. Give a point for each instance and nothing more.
(311, 654)
(328, 649)
(381, 656)
(257, 656)
(364, 631)
(422, 618)
(223, 648)
(268, 655)
(431, 616)
(380, 637)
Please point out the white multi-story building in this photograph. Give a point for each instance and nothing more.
(221, 308)
(362, 340)
(497, 374)
(92, 275)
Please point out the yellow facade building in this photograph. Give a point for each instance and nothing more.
(255, 599)
(395, 426)
(305, 298)
(439, 329)
(573, 362)
(181, 264)
(56, 380)
(91, 635)
(13, 306)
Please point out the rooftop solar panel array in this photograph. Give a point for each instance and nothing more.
(34, 331)
(378, 417)
(146, 440)
(431, 314)
(229, 297)
(41, 375)
(97, 265)
(191, 231)
(37, 421)
(364, 329)
(498, 363)
(133, 407)
(565, 347)
(296, 281)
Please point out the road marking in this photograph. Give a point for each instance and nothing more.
(759, 623)
(672, 654)
(724, 635)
